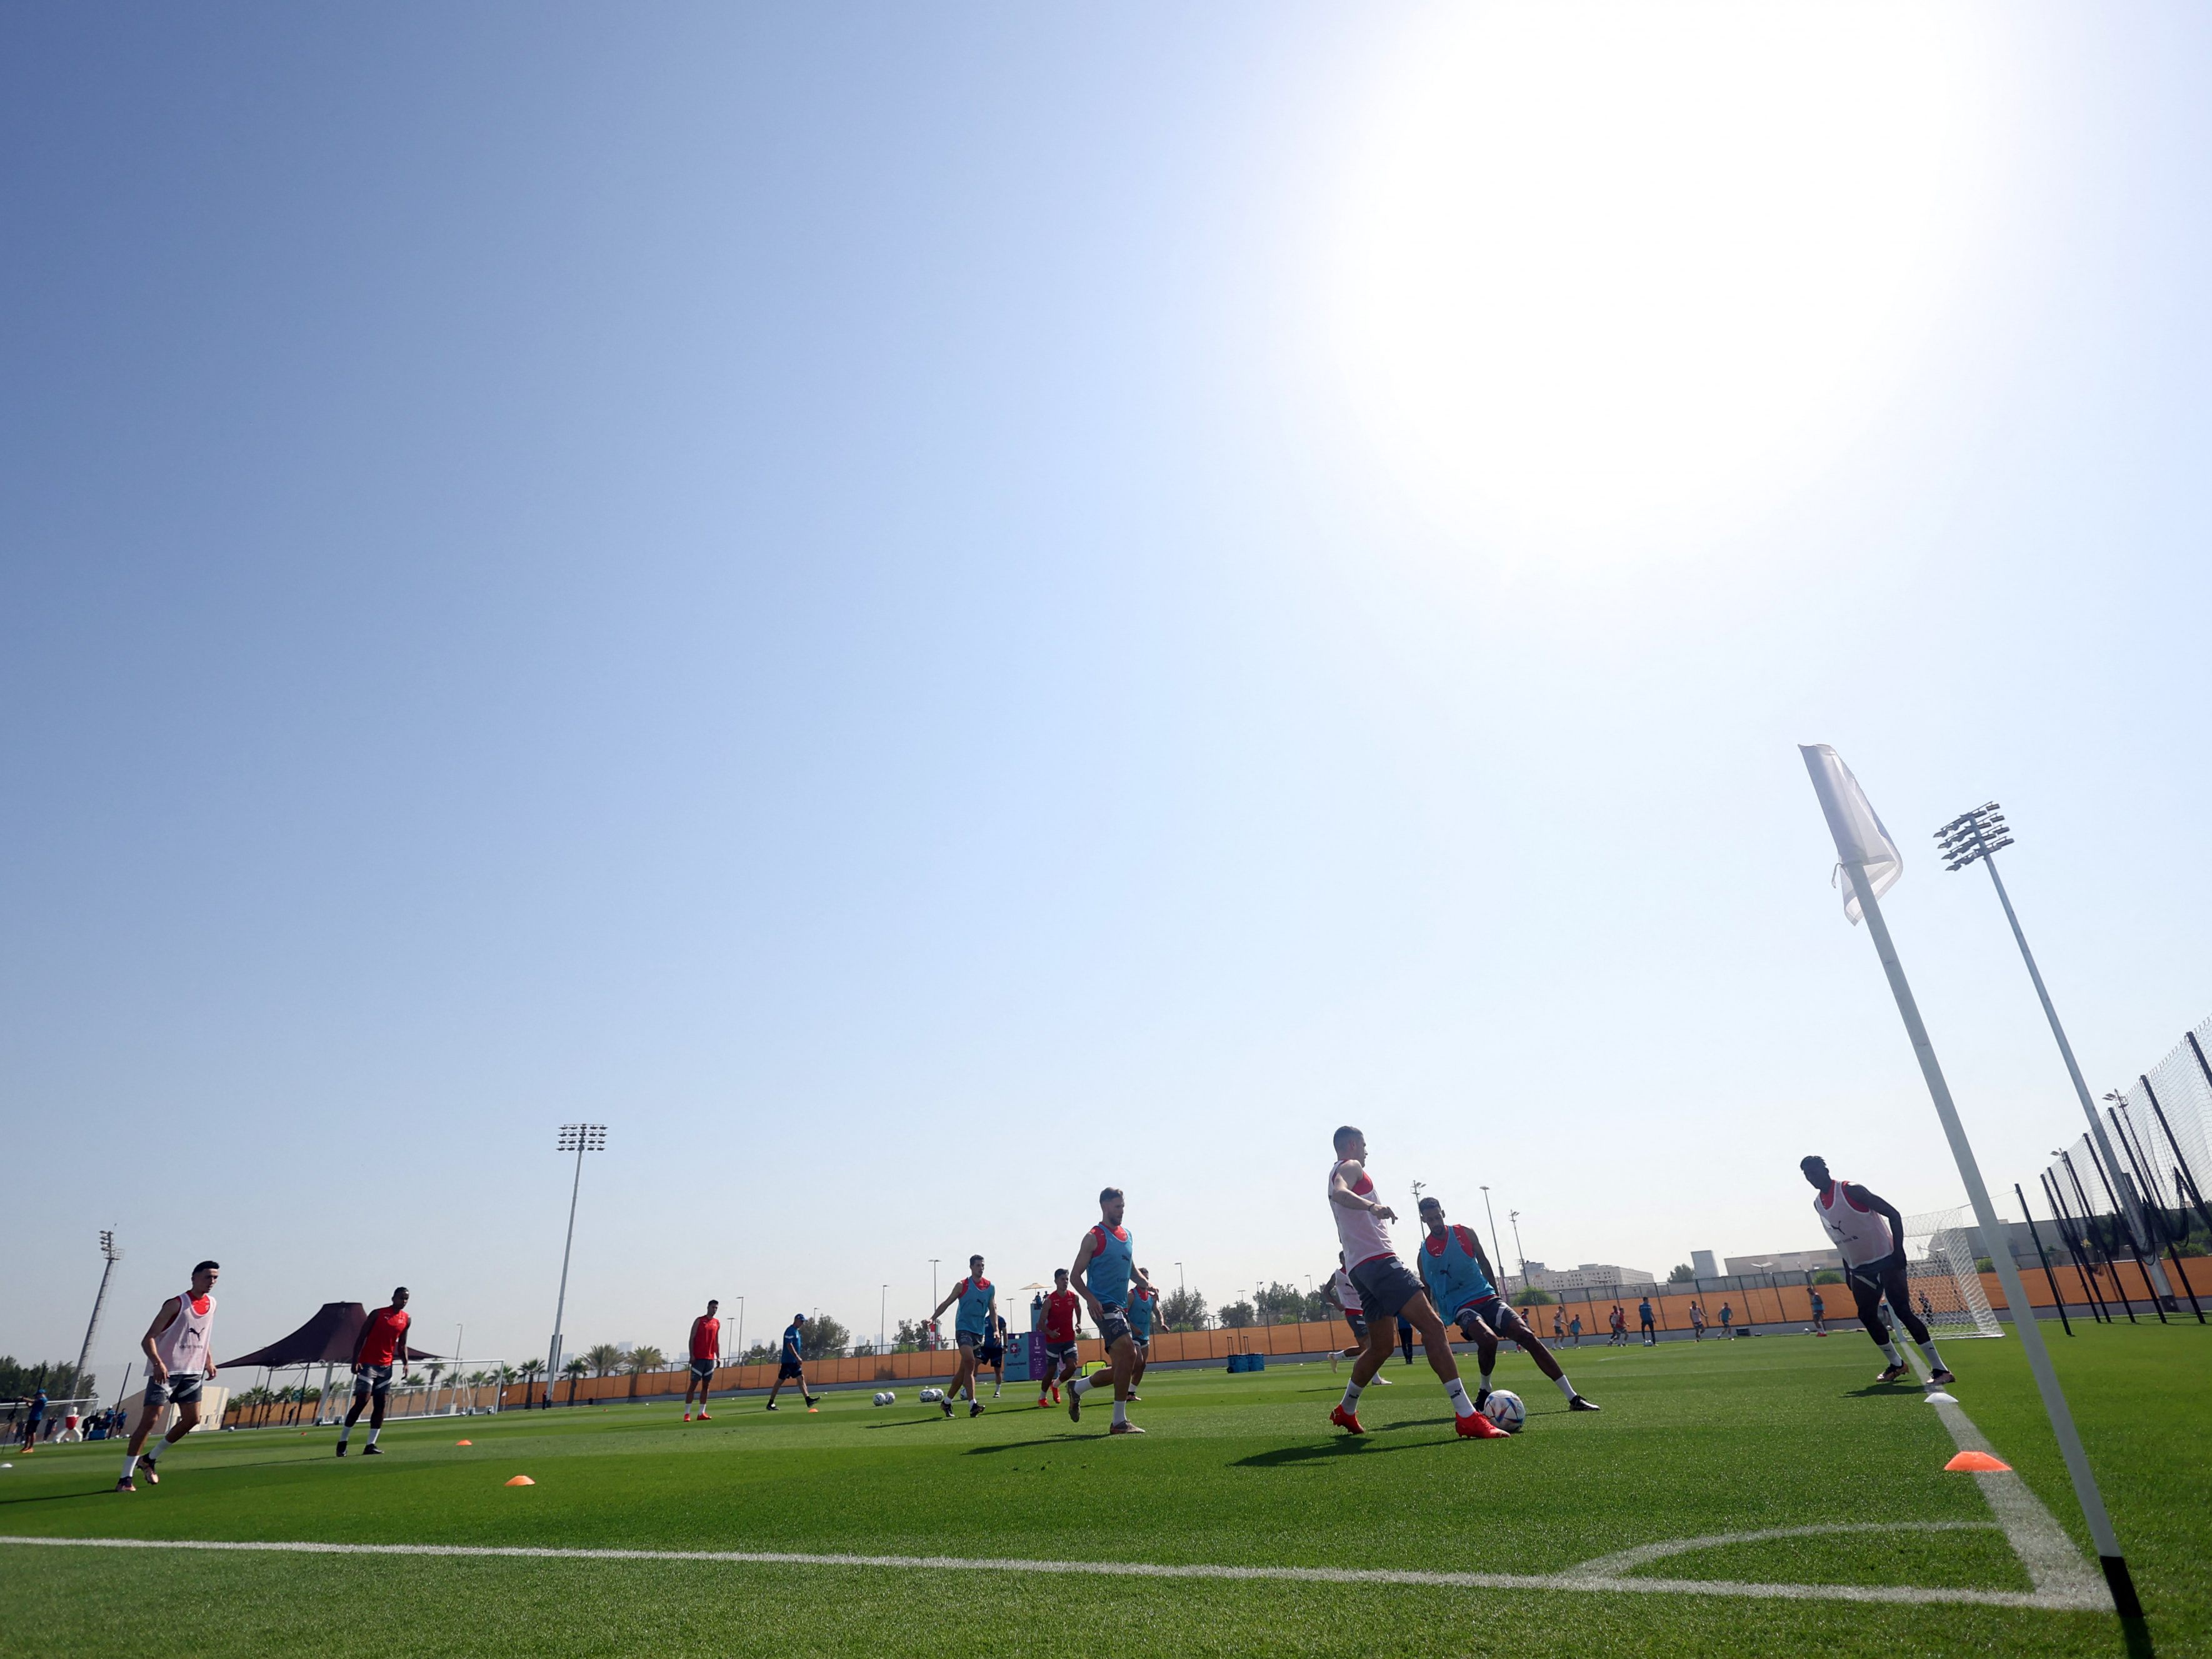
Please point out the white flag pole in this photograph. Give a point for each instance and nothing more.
(2124, 1599)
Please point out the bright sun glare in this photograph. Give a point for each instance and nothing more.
(1613, 276)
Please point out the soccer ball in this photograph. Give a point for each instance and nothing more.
(1504, 1408)
(931, 1396)
(885, 1397)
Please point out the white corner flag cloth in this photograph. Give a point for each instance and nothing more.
(1860, 838)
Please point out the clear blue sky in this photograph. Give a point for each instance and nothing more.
(923, 612)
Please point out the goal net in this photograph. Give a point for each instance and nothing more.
(1942, 1275)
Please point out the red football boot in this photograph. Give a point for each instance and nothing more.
(1348, 1421)
(1475, 1426)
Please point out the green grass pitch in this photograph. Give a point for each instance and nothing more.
(1235, 1471)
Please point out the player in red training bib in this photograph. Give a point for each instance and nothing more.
(382, 1344)
(706, 1347)
(1059, 1350)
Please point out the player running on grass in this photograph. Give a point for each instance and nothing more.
(972, 1329)
(179, 1359)
(792, 1366)
(1870, 1234)
(1104, 1263)
(994, 1353)
(705, 1348)
(1144, 1307)
(1457, 1274)
(382, 1341)
(1062, 1357)
(1386, 1291)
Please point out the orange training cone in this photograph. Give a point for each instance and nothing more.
(1971, 1462)
(464, 1442)
(522, 1480)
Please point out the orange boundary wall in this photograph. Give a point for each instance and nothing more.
(1781, 1305)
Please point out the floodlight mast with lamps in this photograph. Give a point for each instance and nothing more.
(577, 1138)
(113, 1252)
(1976, 837)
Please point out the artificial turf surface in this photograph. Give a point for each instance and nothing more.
(1694, 1440)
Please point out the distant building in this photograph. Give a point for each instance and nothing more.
(1785, 1261)
(1590, 1275)
(1701, 1263)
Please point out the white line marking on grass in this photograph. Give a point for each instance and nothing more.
(1907, 1595)
(1625, 1561)
(2054, 1566)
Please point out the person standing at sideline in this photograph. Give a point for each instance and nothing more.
(179, 1361)
(1819, 1315)
(1574, 1330)
(382, 1344)
(705, 1348)
(34, 1416)
(1644, 1324)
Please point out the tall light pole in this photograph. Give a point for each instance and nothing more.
(1514, 1217)
(113, 1253)
(1975, 837)
(883, 1304)
(577, 1138)
(738, 1353)
(1496, 1250)
(932, 1289)
(1179, 1284)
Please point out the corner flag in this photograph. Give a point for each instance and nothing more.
(1868, 863)
(1860, 836)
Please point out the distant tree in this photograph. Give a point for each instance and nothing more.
(1286, 1304)
(909, 1339)
(1534, 1296)
(574, 1370)
(825, 1338)
(759, 1354)
(604, 1358)
(1827, 1276)
(643, 1359)
(1236, 1316)
(862, 1350)
(1681, 1273)
(1183, 1311)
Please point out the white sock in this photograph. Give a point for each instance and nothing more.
(1121, 1411)
(345, 1432)
(372, 1433)
(1079, 1385)
(1566, 1387)
(1890, 1348)
(130, 1464)
(1456, 1391)
(1488, 1365)
(1927, 1353)
(1351, 1396)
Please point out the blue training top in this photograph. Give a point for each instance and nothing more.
(792, 1333)
(1113, 1259)
(973, 1314)
(1451, 1273)
(1141, 1303)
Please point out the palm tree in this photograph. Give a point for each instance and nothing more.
(573, 1371)
(642, 1359)
(604, 1357)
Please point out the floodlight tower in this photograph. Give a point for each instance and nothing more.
(1496, 1250)
(109, 1249)
(577, 1138)
(1513, 1217)
(1975, 837)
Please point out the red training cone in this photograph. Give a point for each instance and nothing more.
(1976, 1463)
(522, 1480)
(464, 1442)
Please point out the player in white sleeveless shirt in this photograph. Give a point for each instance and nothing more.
(179, 1357)
(1388, 1292)
(1870, 1235)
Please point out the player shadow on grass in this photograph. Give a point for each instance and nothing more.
(1343, 1446)
(1023, 1445)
